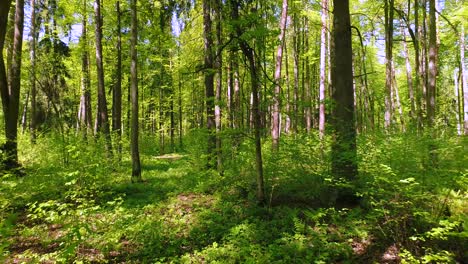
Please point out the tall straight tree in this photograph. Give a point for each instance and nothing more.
(432, 67)
(102, 120)
(209, 81)
(136, 168)
(10, 93)
(275, 129)
(323, 66)
(84, 114)
(344, 164)
(388, 62)
(33, 35)
(464, 81)
(117, 91)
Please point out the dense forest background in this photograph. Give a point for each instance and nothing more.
(234, 131)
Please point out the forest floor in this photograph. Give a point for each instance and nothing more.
(179, 214)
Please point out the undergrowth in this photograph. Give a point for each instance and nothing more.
(76, 205)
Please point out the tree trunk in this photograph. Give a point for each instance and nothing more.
(323, 67)
(249, 53)
(136, 168)
(464, 79)
(432, 74)
(34, 35)
(388, 62)
(209, 81)
(219, 82)
(409, 77)
(85, 118)
(344, 164)
(10, 95)
(296, 76)
(102, 117)
(275, 129)
(117, 91)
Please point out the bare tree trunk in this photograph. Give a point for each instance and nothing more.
(209, 81)
(388, 62)
(323, 67)
(102, 117)
(136, 167)
(409, 77)
(464, 79)
(296, 76)
(24, 115)
(344, 163)
(10, 95)
(432, 74)
(117, 91)
(276, 129)
(219, 82)
(457, 104)
(85, 117)
(34, 35)
(397, 102)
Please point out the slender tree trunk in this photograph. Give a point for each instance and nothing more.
(409, 77)
(10, 95)
(275, 129)
(33, 35)
(457, 105)
(323, 67)
(117, 91)
(344, 163)
(397, 102)
(24, 114)
(309, 103)
(464, 79)
(136, 167)
(219, 82)
(102, 117)
(209, 81)
(85, 117)
(296, 76)
(432, 74)
(388, 62)
(249, 53)
(417, 66)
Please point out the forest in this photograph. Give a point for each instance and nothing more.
(233, 131)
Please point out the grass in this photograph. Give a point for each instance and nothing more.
(88, 211)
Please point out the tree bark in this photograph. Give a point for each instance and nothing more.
(388, 62)
(432, 74)
(209, 81)
(10, 93)
(102, 117)
(32, 79)
(117, 91)
(344, 164)
(136, 167)
(85, 118)
(409, 77)
(219, 82)
(323, 68)
(276, 129)
(464, 79)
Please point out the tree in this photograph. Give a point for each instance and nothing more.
(136, 168)
(84, 112)
(344, 164)
(34, 36)
(117, 91)
(275, 130)
(209, 81)
(389, 5)
(254, 82)
(10, 93)
(432, 74)
(102, 120)
(323, 57)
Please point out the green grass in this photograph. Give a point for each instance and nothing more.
(88, 211)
